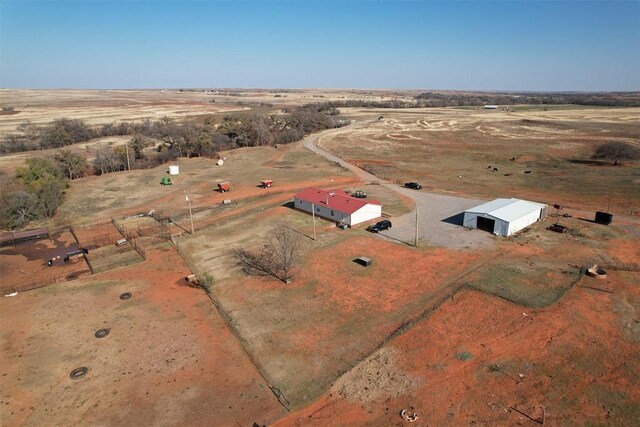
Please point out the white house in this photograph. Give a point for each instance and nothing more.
(338, 206)
(504, 216)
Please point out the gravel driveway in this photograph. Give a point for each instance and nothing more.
(440, 221)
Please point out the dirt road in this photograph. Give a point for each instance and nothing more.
(439, 219)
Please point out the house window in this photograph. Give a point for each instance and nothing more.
(331, 213)
(317, 209)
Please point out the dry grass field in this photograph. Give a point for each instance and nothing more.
(459, 336)
(97, 107)
(100, 107)
(291, 167)
(454, 150)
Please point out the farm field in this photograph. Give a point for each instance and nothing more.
(467, 328)
(455, 151)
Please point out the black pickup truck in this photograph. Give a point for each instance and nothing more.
(413, 185)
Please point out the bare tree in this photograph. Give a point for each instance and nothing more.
(276, 258)
(107, 160)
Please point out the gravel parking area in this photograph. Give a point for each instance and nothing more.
(439, 222)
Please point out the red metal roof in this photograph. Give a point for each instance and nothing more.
(333, 199)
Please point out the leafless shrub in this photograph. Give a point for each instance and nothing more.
(276, 258)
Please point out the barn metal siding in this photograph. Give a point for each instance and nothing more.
(510, 215)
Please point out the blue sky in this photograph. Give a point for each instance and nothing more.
(466, 45)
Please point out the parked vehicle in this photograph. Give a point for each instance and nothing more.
(413, 185)
(224, 186)
(379, 226)
(359, 194)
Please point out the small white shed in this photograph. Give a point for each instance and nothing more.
(504, 216)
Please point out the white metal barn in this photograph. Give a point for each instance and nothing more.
(504, 216)
(337, 205)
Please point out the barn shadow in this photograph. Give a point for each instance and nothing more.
(289, 205)
(456, 219)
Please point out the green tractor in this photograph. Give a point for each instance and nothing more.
(166, 180)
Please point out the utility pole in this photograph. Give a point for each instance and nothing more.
(417, 214)
(190, 216)
(126, 147)
(313, 215)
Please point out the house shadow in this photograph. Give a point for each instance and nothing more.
(456, 219)
(289, 205)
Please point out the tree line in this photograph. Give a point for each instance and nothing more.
(37, 190)
(188, 138)
(447, 99)
(461, 99)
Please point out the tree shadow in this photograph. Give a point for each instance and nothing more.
(589, 162)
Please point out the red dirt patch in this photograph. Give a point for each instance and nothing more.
(389, 284)
(480, 357)
(25, 265)
(625, 251)
(167, 354)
